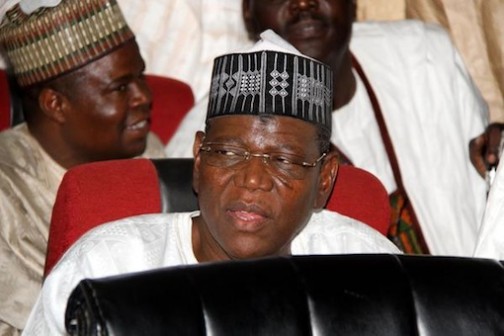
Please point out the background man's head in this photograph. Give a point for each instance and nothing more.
(318, 28)
(81, 73)
(263, 166)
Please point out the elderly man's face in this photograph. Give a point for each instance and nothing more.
(108, 111)
(318, 28)
(254, 208)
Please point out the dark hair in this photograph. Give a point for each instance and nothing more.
(29, 102)
(323, 138)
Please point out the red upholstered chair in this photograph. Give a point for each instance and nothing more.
(5, 102)
(95, 193)
(360, 195)
(172, 99)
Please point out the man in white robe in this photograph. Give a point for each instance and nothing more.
(262, 173)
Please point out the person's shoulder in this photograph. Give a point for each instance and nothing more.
(408, 37)
(18, 151)
(154, 148)
(406, 45)
(134, 228)
(401, 29)
(15, 141)
(135, 238)
(330, 232)
(333, 223)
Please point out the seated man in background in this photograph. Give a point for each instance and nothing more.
(263, 171)
(404, 108)
(85, 99)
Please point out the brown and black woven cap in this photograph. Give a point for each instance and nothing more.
(271, 82)
(55, 40)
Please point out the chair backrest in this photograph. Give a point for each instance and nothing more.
(351, 295)
(99, 192)
(359, 194)
(95, 193)
(5, 101)
(172, 99)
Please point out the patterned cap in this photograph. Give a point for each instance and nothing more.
(52, 41)
(274, 81)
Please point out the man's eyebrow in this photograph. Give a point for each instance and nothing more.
(233, 140)
(130, 75)
(124, 77)
(290, 148)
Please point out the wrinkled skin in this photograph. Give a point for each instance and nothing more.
(250, 212)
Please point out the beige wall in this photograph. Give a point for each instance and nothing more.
(381, 9)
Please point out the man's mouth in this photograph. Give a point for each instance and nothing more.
(248, 218)
(140, 125)
(306, 29)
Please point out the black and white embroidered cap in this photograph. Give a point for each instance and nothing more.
(271, 78)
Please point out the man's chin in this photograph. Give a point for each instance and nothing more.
(310, 47)
(135, 150)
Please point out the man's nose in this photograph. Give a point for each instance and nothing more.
(255, 175)
(142, 93)
(303, 5)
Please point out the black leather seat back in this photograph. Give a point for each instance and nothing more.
(311, 295)
(175, 183)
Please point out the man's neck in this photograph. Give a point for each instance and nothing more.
(46, 136)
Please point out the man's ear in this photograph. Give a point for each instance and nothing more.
(198, 140)
(53, 104)
(328, 173)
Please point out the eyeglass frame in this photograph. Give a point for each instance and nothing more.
(266, 157)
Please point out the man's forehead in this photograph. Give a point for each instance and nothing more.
(243, 126)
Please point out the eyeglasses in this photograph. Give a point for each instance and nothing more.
(229, 156)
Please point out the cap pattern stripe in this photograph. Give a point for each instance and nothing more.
(55, 40)
(271, 82)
